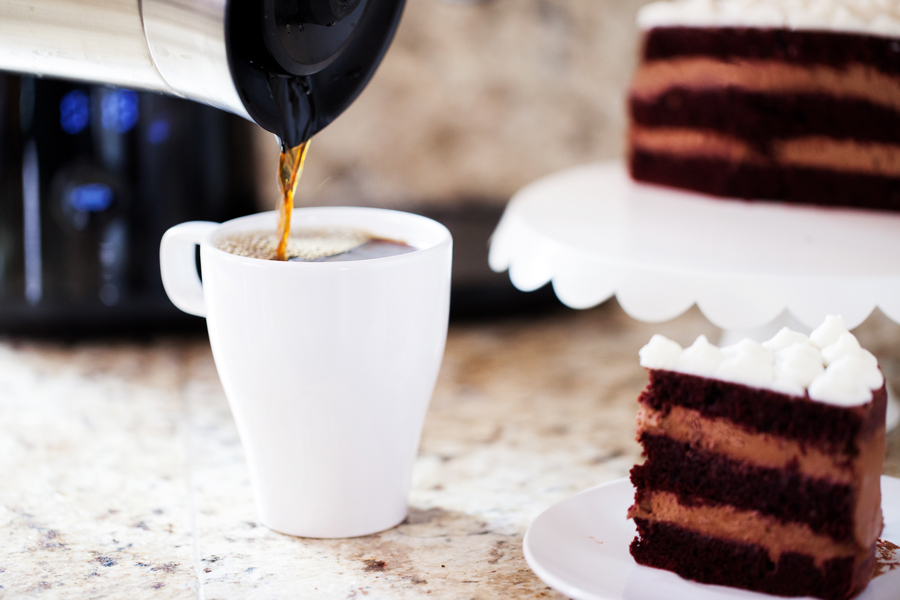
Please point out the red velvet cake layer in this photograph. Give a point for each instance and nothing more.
(802, 47)
(758, 117)
(718, 177)
(717, 561)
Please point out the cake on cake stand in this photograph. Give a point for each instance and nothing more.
(751, 267)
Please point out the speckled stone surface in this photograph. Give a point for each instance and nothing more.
(121, 473)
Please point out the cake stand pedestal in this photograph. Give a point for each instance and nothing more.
(749, 267)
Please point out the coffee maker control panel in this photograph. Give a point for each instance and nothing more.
(90, 178)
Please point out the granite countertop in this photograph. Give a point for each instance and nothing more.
(122, 473)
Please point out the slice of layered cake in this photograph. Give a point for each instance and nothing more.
(762, 462)
(795, 100)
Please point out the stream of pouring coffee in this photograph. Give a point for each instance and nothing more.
(290, 167)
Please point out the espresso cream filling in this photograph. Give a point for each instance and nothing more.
(718, 435)
(693, 142)
(846, 155)
(749, 527)
(870, 158)
(856, 81)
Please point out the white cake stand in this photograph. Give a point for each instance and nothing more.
(750, 267)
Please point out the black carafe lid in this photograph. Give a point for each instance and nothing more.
(298, 64)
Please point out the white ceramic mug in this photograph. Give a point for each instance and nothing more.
(328, 366)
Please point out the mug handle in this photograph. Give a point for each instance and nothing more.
(177, 265)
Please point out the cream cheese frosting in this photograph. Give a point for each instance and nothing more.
(874, 17)
(829, 364)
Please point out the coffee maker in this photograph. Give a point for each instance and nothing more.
(99, 156)
(291, 66)
(91, 176)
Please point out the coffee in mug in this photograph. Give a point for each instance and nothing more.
(313, 245)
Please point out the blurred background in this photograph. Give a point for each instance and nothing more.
(473, 101)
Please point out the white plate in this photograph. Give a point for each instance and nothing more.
(580, 548)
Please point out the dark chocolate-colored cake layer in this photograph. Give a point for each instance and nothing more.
(760, 117)
(729, 179)
(832, 428)
(803, 47)
(698, 476)
(711, 560)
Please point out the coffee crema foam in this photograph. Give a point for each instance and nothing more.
(306, 245)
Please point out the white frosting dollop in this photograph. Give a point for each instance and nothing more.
(785, 339)
(749, 363)
(874, 17)
(828, 332)
(829, 365)
(660, 353)
(699, 358)
(846, 382)
(845, 344)
(796, 367)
